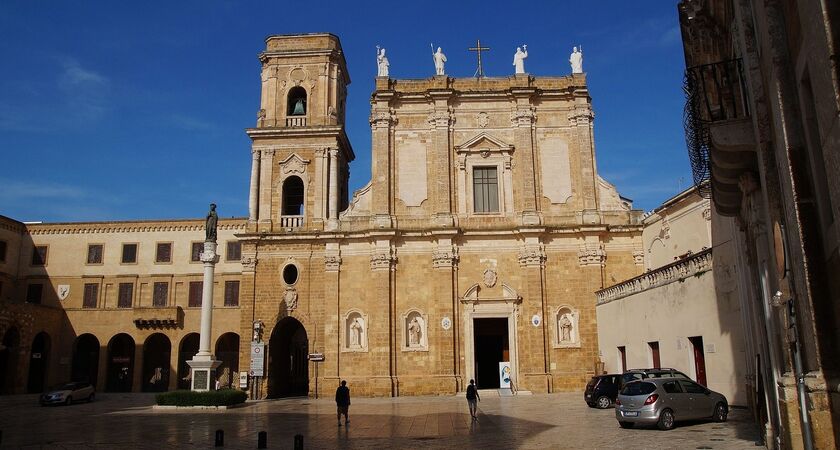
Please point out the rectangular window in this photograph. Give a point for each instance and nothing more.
(91, 294)
(234, 251)
(231, 293)
(163, 252)
(195, 293)
(197, 248)
(654, 354)
(39, 255)
(160, 293)
(622, 358)
(129, 253)
(485, 190)
(3, 251)
(33, 293)
(94, 255)
(126, 292)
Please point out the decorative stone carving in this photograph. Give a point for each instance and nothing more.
(63, 291)
(581, 116)
(382, 119)
(383, 260)
(639, 257)
(490, 277)
(707, 213)
(415, 337)
(483, 119)
(249, 263)
(443, 258)
(536, 320)
(532, 255)
(293, 164)
(446, 323)
(290, 298)
(440, 119)
(523, 117)
(261, 117)
(592, 255)
(355, 332)
(665, 231)
(566, 332)
(332, 263)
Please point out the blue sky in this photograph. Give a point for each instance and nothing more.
(120, 110)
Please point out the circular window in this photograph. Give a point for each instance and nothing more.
(290, 274)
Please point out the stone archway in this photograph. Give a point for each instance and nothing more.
(85, 359)
(288, 365)
(186, 351)
(120, 363)
(39, 358)
(156, 355)
(227, 351)
(9, 360)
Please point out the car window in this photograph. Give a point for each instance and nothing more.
(692, 387)
(681, 375)
(628, 377)
(615, 379)
(672, 387)
(638, 388)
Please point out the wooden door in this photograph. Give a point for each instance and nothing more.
(699, 359)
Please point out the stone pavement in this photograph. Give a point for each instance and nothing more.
(561, 421)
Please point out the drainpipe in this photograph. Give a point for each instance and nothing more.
(799, 373)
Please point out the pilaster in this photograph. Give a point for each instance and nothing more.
(523, 119)
(266, 167)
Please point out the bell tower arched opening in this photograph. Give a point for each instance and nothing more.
(292, 196)
(296, 102)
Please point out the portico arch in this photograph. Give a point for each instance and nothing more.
(288, 365)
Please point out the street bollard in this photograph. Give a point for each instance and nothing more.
(220, 438)
(262, 439)
(298, 442)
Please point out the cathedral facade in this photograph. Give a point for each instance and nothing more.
(473, 253)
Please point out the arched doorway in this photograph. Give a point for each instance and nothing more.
(39, 358)
(288, 373)
(186, 351)
(85, 359)
(156, 353)
(227, 351)
(120, 363)
(9, 356)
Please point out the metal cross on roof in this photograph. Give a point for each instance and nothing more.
(478, 49)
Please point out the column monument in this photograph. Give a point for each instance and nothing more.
(203, 363)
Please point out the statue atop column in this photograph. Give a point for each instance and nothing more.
(519, 59)
(381, 62)
(440, 59)
(576, 60)
(210, 224)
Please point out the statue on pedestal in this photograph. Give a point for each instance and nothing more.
(381, 62)
(519, 59)
(576, 60)
(210, 224)
(414, 330)
(565, 328)
(356, 333)
(440, 59)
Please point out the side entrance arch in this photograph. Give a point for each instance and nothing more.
(9, 360)
(39, 359)
(156, 351)
(288, 366)
(120, 363)
(85, 359)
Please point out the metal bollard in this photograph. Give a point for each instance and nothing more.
(298, 442)
(220, 438)
(262, 440)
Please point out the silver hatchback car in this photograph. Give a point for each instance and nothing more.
(663, 401)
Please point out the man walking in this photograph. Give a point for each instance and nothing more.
(473, 399)
(342, 402)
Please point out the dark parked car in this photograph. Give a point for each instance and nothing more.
(601, 390)
(664, 401)
(641, 374)
(68, 393)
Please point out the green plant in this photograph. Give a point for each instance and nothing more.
(223, 397)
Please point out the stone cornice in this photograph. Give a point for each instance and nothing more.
(131, 227)
(677, 271)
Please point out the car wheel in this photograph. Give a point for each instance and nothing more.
(626, 424)
(69, 401)
(90, 397)
(603, 402)
(721, 412)
(666, 420)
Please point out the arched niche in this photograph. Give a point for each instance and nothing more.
(566, 327)
(296, 102)
(354, 331)
(415, 331)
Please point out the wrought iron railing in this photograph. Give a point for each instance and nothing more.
(714, 92)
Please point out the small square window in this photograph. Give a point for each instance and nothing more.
(3, 251)
(94, 255)
(163, 252)
(234, 251)
(125, 294)
(91, 294)
(160, 294)
(34, 292)
(39, 255)
(197, 248)
(195, 293)
(129, 253)
(231, 293)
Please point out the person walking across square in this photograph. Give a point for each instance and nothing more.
(342, 402)
(473, 399)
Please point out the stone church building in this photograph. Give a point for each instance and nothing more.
(480, 239)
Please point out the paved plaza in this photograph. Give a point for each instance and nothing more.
(538, 421)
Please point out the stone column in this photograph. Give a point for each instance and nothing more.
(332, 224)
(203, 364)
(381, 122)
(253, 195)
(266, 166)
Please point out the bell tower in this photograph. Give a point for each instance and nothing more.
(301, 155)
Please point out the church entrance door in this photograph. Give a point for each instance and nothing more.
(492, 346)
(288, 366)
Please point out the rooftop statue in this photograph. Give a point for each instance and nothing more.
(519, 59)
(210, 224)
(576, 60)
(381, 62)
(440, 60)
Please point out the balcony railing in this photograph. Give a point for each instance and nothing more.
(291, 221)
(298, 121)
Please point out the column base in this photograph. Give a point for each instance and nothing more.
(203, 373)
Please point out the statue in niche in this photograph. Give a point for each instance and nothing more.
(414, 332)
(381, 62)
(210, 224)
(519, 59)
(440, 59)
(565, 328)
(356, 333)
(576, 60)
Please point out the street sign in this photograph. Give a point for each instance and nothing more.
(243, 380)
(317, 357)
(257, 359)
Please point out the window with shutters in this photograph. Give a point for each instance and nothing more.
(234, 251)
(34, 292)
(195, 251)
(485, 190)
(126, 291)
(231, 293)
(91, 295)
(160, 294)
(129, 254)
(39, 255)
(163, 252)
(195, 293)
(94, 254)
